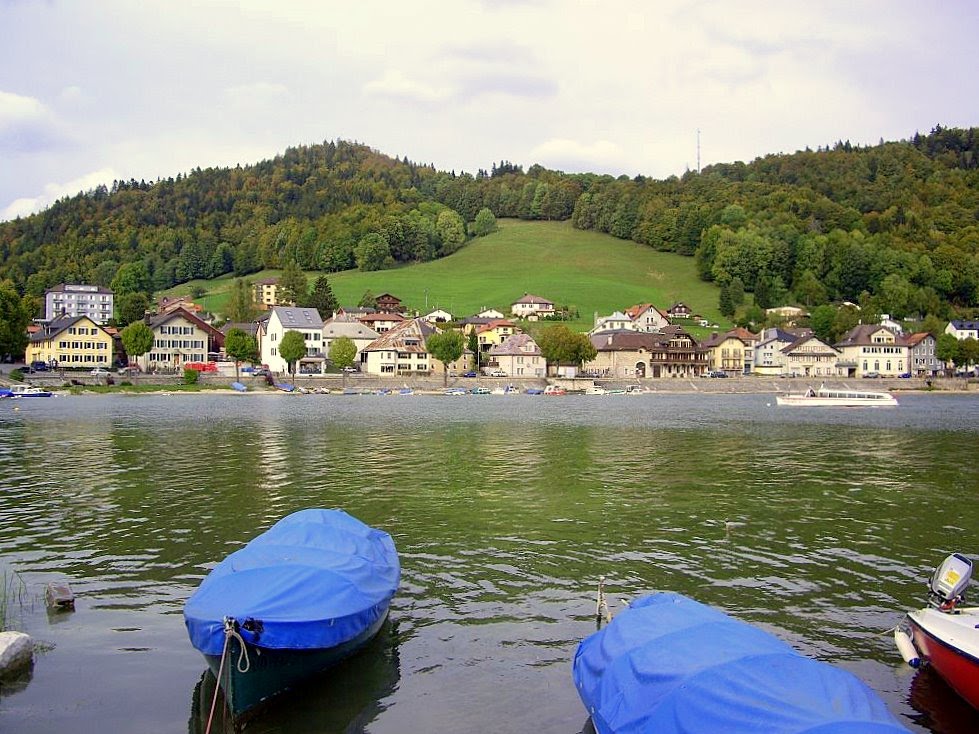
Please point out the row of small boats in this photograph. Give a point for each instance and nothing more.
(317, 586)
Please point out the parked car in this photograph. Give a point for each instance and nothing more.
(871, 375)
(718, 373)
(351, 369)
(470, 373)
(498, 373)
(39, 365)
(905, 375)
(99, 372)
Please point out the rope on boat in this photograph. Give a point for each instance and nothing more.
(229, 632)
(602, 612)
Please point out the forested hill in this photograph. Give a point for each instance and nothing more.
(896, 223)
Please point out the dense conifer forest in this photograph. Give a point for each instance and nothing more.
(895, 225)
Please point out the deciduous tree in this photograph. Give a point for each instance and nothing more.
(13, 322)
(342, 353)
(137, 339)
(446, 346)
(241, 347)
(292, 348)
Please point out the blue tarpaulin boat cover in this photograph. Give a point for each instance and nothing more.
(670, 665)
(315, 579)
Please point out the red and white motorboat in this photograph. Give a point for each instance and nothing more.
(945, 634)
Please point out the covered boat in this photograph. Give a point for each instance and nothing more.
(300, 597)
(668, 664)
(944, 634)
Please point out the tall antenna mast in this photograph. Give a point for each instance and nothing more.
(698, 150)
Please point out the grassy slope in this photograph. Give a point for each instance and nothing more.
(590, 271)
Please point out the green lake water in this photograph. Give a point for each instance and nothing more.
(819, 525)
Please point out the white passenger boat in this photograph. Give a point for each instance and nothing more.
(839, 397)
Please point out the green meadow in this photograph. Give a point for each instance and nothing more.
(591, 272)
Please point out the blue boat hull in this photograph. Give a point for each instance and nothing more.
(272, 672)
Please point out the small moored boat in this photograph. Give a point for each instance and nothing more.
(303, 595)
(668, 664)
(28, 391)
(827, 397)
(555, 390)
(943, 634)
(480, 391)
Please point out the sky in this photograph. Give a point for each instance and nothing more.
(91, 92)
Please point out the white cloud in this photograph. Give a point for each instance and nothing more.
(16, 109)
(256, 94)
(54, 191)
(396, 85)
(574, 156)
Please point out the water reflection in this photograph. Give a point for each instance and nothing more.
(940, 709)
(821, 528)
(346, 698)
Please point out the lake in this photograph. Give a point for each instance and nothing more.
(820, 525)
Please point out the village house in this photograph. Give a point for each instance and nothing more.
(77, 299)
(306, 321)
(646, 317)
(750, 342)
(677, 354)
(725, 353)
(179, 337)
(871, 349)
(617, 321)
(518, 356)
(788, 315)
(679, 310)
(531, 307)
(494, 333)
(963, 329)
(381, 321)
(351, 327)
(809, 356)
(621, 354)
(438, 316)
(921, 355)
(633, 354)
(895, 326)
(386, 303)
(474, 323)
(768, 358)
(71, 341)
(168, 303)
(266, 293)
(401, 351)
(491, 313)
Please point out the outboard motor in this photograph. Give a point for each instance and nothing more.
(949, 581)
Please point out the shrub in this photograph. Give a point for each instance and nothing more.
(16, 375)
(190, 376)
